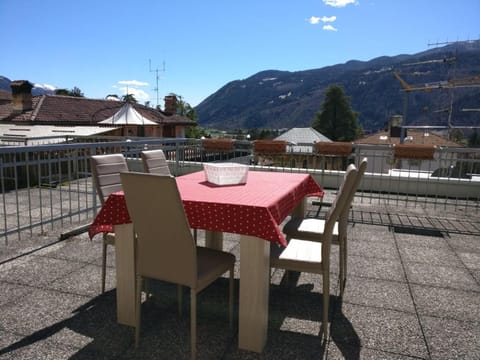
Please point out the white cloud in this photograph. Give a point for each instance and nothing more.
(340, 3)
(329, 28)
(133, 82)
(328, 19)
(139, 94)
(314, 20)
(46, 87)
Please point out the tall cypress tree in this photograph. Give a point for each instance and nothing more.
(337, 120)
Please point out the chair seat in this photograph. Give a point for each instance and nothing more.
(308, 229)
(299, 255)
(211, 264)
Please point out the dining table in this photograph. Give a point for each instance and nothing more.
(254, 210)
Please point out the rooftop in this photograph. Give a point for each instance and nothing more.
(409, 295)
(296, 136)
(71, 110)
(414, 136)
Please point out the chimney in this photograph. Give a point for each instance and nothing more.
(21, 95)
(171, 104)
(396, 126)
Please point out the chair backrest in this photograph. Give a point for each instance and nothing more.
(154, 162)
(338, 205)
(343, 194)
(165, 248)
(106, 171)
(361, 170)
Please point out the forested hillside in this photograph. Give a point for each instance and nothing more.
(278, 99)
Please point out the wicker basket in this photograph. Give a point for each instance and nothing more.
(225, 173)
(417, 151)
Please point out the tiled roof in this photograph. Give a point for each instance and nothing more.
(69, 110)
(413, 137)
(302, 136)
(5, 96)
(35, 134)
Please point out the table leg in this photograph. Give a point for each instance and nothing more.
(300, 209)
(214, 239)
(254, 292)
(125, 269)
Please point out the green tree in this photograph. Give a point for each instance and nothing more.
(186, 110)
(73, 92)
(129, 98)
(474, 140)
(76, 92)
(337, 120)
(457, 135)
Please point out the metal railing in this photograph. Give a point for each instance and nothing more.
(49, 187)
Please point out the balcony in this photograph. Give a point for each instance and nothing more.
(413, 289)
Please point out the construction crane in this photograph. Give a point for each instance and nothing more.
(472, 81)
(425, 87)
(444, 60)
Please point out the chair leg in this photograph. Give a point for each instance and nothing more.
(343, 264)
(230, 301)
(341, 275)
(180, 299)
(319, 204)
(146, 289)
(326, 298)
(138, 310)
(345, 258)
(193, 324)
(104, 265)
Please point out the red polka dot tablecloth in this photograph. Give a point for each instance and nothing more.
(255, 208)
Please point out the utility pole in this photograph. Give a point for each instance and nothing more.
(156, 77)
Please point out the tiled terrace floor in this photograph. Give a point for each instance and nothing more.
(408, 297)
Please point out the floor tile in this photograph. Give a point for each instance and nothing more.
(441, 276)
(447, 303)
(379, 329)
(451, 339)
(378, 293)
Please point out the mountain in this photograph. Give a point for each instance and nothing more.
(38, 89)
(284, 99)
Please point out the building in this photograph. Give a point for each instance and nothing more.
(420, 149)
(294, 148)
(62, 115)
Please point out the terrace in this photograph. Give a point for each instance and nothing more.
(413, 268)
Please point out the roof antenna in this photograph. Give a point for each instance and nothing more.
(156, 76)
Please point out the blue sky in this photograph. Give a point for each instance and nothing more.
(105, 46)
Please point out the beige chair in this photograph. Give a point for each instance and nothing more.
(165, 248)
(309, 228)
(106, 176)
(313, 255)
(154, 162)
